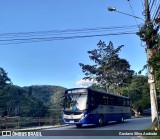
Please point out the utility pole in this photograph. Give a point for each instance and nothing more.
(151, 77)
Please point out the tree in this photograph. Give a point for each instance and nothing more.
(16, 101)
(4, 79)
(138, 91)
(109, 70)
(34, 101)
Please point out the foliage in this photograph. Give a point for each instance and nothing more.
(4, 80)
(15, 101)
(29, 101)
(49, 95)
(149, 34)
(138, 91)
(109, 70)
(97, 87)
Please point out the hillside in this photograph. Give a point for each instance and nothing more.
(46, 93)
(32, 101)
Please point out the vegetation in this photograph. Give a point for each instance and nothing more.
(109, 70)
(138, 91)
(149, 34)
(33, 101)
(113, 74)
(4, 80)
(49, 96)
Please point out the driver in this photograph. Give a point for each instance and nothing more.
(75, 105)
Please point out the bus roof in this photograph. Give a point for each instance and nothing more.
(98, 91)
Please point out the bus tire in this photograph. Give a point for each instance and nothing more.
(100, 120)
(79, 125)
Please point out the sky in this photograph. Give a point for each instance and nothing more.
(56, 62)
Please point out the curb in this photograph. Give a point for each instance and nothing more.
(35, 128)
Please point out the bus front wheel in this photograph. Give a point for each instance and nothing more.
(100, 120)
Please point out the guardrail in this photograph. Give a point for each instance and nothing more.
(22, 122)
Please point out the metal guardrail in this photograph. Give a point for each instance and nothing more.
(22, 122)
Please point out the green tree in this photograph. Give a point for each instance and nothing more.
(138, 91)
(30, 101)
(16, 101)
(109, 70)
(4, 79)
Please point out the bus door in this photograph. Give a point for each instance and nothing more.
(92, 102)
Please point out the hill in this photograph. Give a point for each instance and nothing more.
(31, 101)
(46, 93)
(49, 95)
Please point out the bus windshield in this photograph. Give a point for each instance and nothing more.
(75, 101)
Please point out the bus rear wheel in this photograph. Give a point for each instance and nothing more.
(79, 125)
(121, 120)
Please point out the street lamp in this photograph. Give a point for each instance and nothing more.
(113, 9)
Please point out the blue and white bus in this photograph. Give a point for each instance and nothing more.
(89, 106)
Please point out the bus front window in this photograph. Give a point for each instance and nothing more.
(75, 102)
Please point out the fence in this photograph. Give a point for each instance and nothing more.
(21, 122)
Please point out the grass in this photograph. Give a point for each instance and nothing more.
(154, 128)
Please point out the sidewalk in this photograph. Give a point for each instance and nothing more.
(35, 128)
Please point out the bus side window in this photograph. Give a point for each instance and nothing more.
(111, 100)
(106, 100)
(128, 104)
(116, 103)
(92, 101)
(124, 102)
(119, 101)
(100, 99)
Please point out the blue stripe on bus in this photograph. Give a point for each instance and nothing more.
(93, 118)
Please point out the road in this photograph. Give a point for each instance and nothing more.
(130, 124)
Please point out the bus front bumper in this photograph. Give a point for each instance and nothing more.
(78, 119)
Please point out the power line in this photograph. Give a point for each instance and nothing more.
(155, 9)
(30, 40)
(67, 31)
(142, 4)
(53, 35)
(133, 13)
(151, 5)
(157, 12)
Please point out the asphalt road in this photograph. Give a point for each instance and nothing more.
(130, 124)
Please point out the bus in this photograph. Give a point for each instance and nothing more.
(90, 106)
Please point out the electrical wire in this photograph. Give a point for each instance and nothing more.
(151, 5)
(30, 40)
(155, 10)
(142, 5)
(52, 35)
(68, 31)
(133, 12)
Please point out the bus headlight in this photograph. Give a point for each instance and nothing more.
(84, 116)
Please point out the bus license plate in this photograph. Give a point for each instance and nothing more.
(71, 121)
